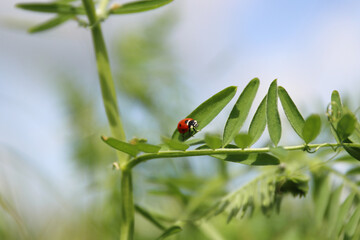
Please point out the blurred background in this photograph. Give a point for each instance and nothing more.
(56, 179)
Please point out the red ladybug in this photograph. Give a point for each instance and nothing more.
(187, 125)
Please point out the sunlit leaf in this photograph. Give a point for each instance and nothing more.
(311, 128)
(243, 140)
(346, 126)
(121, 146)
(272, 113)
(240, 111)
(195, 141)
(138, 6)
(52, 23)
(336, 105)
(291, 111)
(53, 7)
(258, 123)
(148, 148)
(208, 110)
(213, 141)
(175, 144)
(169, 232)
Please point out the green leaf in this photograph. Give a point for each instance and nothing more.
(336, 105)
(213, 141)
(291, 111)
(121, 146)
(272, 114)
(53, 7)
(343, 211)
(170, 231)
(195, 141)
(243, 140)
(146, 214)
(139, 6)
(296, 184)
(52, 23)
(353, 223)
(353, 171)
(253, 159)
(258, 123)
(175, 144)
(311, 128)
(321, 194)
(352, 151)
(240, 111)
(148, 148)
(333, 207)
(346, 126)
(208, 110)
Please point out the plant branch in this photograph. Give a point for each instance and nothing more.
(203, 152)
(111, 108)
(105, 76)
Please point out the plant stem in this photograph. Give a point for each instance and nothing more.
(111, 108)
(127, 206)
(203, 152)
(105, 76)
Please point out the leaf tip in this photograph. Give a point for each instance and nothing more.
(104, 138)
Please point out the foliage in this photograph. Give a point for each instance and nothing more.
(282, 170)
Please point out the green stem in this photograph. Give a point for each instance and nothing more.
(105, 76)
(203, 152)
(111, 108)
(127, 206)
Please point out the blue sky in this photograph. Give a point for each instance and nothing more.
(312, 47)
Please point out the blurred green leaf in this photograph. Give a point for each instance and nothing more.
(291, 111)
(146, 214)
(353, 223)
(195, 141)
(208, 110)
(121, 146)
(343, 212)
(139, 6)
(353, 171)
(52, 23)
(352, 151)
(213, 141)
(311, 128)
(170, 231)
(148, 148)
(258, 123)
(322, 192)
(296, 184)
(175, 144)
(254, 159)
(333, 207)
(53, 7)
(240, 111)
(243, 140)
(272, 114)
(346, 126)
(336, 105)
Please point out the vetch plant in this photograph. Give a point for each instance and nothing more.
(266, 190)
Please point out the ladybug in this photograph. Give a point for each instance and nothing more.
(187, 125)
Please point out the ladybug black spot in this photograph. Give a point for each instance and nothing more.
(179, 124)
